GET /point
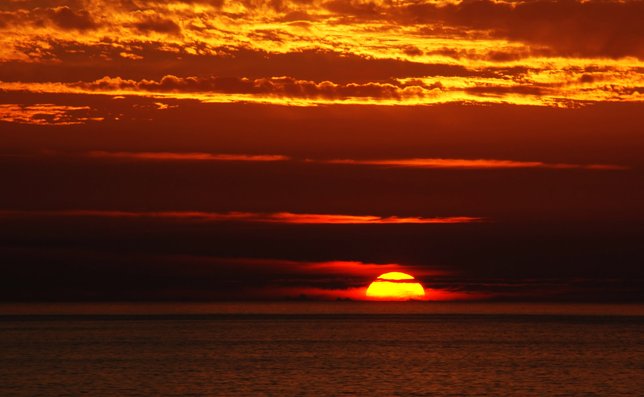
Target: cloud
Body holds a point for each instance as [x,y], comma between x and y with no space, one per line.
[562,89]
[277,217]
[66,18]
[57,16]
[569,28]
[566,27]
[428,163]
[155,23]
[344,269]
[472,164]
[46,114]
[527,53]
[153,59]
[174,156]
[271,86]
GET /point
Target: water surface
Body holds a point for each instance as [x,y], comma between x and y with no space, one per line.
[322,349]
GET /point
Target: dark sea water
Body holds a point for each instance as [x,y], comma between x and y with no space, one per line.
[322,349]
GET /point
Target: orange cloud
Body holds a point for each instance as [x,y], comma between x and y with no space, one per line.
[372,41]
[278,217]
[473,164]
[403,162]
[286,217]
[184,156]
[565,28]
[66,18]
[273,86]
[561,88]
[155,23]
[368,271]
[569,28]
[46,114]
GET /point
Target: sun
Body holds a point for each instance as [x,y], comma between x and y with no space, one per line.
[395,286]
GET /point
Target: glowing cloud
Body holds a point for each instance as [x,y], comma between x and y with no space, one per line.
[46,114]
[473,164]
[560,89]
[410,52]
[402,163]
[184,156]
[278,217]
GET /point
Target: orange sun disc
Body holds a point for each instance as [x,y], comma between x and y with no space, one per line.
[395,286]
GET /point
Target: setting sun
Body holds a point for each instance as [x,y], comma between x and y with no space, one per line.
[395,286]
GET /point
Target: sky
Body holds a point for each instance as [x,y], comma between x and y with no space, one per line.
[192,150]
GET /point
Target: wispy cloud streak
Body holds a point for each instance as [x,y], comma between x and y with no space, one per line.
[472,164]
[177,156]
[428,163]
[254,217]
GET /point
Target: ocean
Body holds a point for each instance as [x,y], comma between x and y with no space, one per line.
[321,349]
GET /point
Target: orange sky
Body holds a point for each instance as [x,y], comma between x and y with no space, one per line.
[493,147]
